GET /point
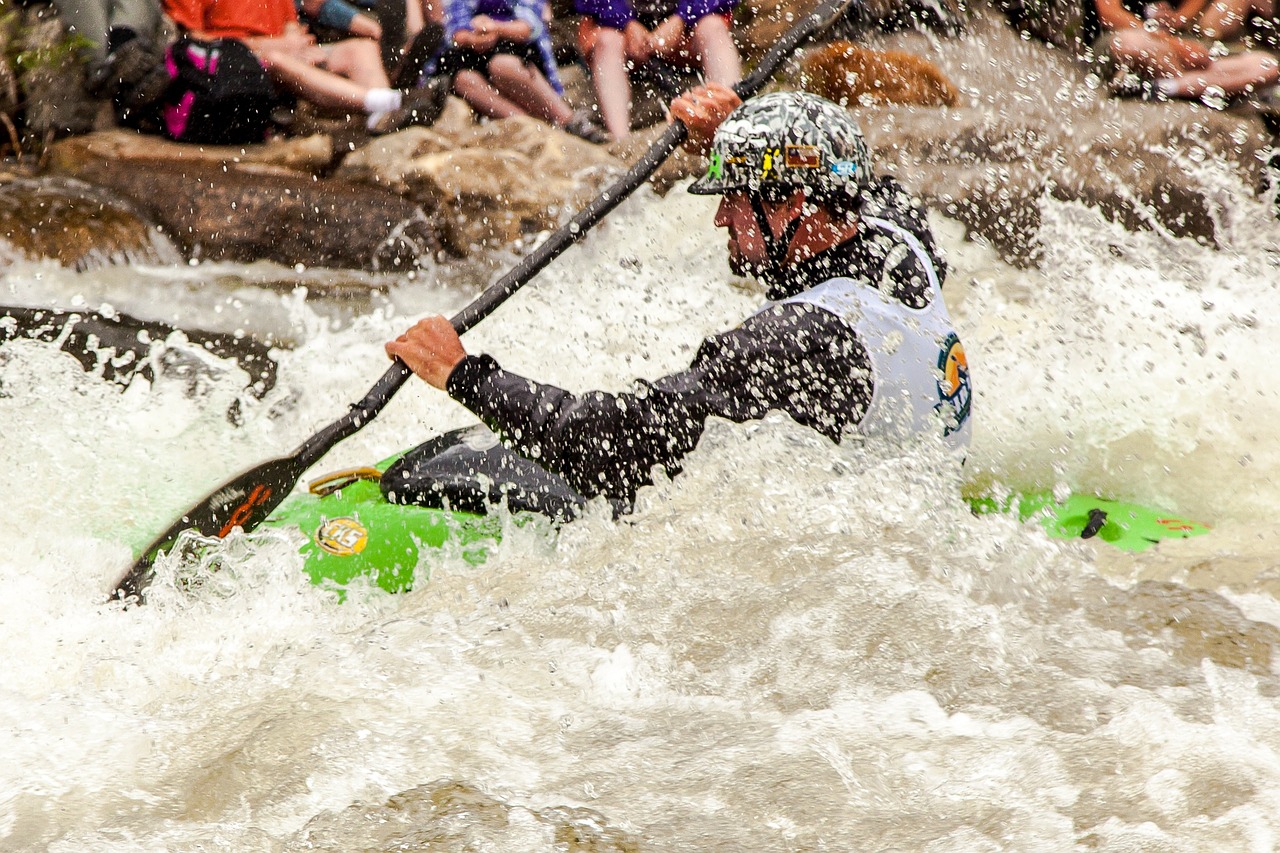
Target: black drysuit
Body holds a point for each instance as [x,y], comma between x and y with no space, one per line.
[790,357]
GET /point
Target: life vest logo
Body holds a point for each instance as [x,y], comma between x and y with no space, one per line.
[954,387]
[845,168]
[803,157]
[344,537]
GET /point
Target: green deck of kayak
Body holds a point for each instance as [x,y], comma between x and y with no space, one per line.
[354,531]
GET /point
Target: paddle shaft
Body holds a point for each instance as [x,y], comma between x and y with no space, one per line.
[247,500]
[497,293]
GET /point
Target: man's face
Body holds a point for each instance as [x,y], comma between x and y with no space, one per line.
[746,245]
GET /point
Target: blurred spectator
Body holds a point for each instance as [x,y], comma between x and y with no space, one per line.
[499,55]
[620,36]
[346,75]
[1157,51]
[118,46]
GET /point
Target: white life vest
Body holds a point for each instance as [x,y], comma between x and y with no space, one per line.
[920,374]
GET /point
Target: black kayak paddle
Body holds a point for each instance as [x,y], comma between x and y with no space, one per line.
[247,500]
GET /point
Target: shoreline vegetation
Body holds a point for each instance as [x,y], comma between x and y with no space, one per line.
[982,114]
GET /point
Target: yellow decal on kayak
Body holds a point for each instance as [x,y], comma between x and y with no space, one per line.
[345,537]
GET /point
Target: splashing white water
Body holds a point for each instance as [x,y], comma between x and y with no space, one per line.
[792,646]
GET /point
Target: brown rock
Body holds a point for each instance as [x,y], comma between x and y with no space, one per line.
[246,215]
[309,155]
[851,75]
[388,160]
[486,197]
[53,81]
[226,205]
[456,120]
[491,184]
[1034,124]
[76,224]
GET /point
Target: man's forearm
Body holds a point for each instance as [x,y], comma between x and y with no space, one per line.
[602,444]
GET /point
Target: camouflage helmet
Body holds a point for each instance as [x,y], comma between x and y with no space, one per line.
[788,140]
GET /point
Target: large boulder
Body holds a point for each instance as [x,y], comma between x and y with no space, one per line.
[490,184]
[1034,123]
[75,223]
[246,203]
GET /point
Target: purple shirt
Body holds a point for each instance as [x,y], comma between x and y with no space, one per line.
[458,15]
[616,14]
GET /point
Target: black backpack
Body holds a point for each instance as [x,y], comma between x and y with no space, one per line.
[218,94]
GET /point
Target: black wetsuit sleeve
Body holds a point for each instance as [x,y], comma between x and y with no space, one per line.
[792,357]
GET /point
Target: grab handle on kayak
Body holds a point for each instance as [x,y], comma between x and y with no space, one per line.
[339,480]
[1097,518]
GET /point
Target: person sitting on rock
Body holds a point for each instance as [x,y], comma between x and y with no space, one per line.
[118,43]
[409,32]
[499,56]
[1157,52]
[347,75]
[618,36]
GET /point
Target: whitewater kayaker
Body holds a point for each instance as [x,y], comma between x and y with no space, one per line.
[855,336]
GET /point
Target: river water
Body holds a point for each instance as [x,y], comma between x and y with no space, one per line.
[793,646]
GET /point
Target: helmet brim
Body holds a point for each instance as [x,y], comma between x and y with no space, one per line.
[716,186]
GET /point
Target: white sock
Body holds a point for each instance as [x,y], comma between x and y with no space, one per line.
[379,102]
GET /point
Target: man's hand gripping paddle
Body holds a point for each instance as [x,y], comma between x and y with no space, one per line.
[247,500]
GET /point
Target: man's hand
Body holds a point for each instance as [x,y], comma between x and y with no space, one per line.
[702,109]
[481,41]
[295,41]
[431,349]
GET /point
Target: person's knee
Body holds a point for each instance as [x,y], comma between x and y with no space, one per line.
[468,81]
[713,27]
[507,67]
[359,51]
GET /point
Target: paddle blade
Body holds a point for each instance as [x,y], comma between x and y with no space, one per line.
[244,501]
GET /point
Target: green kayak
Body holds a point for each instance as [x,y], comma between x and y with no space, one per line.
[375,522]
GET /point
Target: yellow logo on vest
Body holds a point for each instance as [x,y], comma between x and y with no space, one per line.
[344,537]
[954,386]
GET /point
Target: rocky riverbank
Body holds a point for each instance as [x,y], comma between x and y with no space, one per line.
[1019,120]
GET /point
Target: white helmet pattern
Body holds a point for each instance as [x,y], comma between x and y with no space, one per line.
[787,140]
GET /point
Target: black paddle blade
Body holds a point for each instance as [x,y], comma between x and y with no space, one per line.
[244,501]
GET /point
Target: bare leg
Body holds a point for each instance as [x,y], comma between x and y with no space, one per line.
[360,61]
[1233,75]
[476,91]
[1140,51]
[613,88]
[320,87]
[523,84]
[713,42]
[1223,19]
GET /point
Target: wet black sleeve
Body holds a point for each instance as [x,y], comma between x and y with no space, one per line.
[793,358]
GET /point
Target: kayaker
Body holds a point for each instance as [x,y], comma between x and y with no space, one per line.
[855,338]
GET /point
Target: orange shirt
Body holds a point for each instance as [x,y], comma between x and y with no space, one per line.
[232,18]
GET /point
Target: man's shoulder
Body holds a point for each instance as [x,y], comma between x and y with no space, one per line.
[888,199]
